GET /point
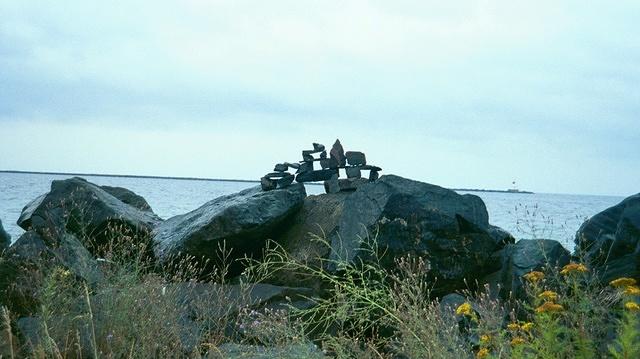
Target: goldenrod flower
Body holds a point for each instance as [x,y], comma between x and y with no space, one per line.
[513,326]
[464,309]
[485,338]
[526,326]
[573,268]
[549,307]
[632,290]
[622,282]
[482,353]
[548,295]
[517,341]
[534,276]
[632,306]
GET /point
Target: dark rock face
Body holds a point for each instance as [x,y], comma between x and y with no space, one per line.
[337,154]
[5,238]
[408,217]
[319,175]
[244,220]
[610,240]
[87,211]
[523,257]
[356,158]
[129,197]
[32,254]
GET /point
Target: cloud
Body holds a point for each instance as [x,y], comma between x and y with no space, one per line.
[476,80]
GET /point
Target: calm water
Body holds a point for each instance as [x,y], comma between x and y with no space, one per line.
[554,216]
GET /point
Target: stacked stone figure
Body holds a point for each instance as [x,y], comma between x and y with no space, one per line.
[353,162]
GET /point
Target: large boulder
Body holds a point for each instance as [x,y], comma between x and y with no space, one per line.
[5,239]
[610,240]
[129,197]
[399,217]
[31,259]
[242,222]
[520,258]
[88,211]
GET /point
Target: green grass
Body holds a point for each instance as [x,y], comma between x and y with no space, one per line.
[363,311]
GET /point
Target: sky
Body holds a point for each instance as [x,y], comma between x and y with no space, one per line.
[472,94]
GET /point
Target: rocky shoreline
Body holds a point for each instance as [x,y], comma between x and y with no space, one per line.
[68,227]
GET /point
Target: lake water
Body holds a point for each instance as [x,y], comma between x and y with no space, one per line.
[540,215]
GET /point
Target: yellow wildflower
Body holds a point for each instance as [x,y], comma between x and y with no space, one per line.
[534,276]
[482,353]
[485,338]
[549,307]
[632,306]
[622,282]
[526,326]
[517,341]
[548,295]
[464,309]
[632,290]
[513,326]
[573,268]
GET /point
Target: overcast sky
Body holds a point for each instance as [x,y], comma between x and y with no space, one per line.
[456,93]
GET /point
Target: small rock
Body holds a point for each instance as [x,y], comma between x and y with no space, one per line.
[318,147]
[305,167]
[337,153]
[271,175]
[370,167]
[353,172]
[331,185]
[350,184]
[307,158]
[268,184]
[355,158]
[328,163]
[314,176]
[281,167]
[5,238]
[293,165]
[286,180]
[323,155]
[373,176]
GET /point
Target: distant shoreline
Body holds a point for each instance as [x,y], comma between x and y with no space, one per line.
[491,190]
[213,179]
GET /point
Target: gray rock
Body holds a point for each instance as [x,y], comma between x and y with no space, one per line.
[318,147]
[373,176]
[307,158]
[272,175]
[32,254]
[353,172]
[281,167]
[5,239]
[350,184]
[286,180]
[243,220]
[315,176]
[87,211]
[337,153]
[323,155]
[293,165]
[610,240]
[331,185]
[371,168]
[305,167]
[129,197]
[329,163]
[355,158]
[268,184]
[406,217]
[525,256]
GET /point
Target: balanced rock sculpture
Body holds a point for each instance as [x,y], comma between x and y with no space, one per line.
[353,162]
